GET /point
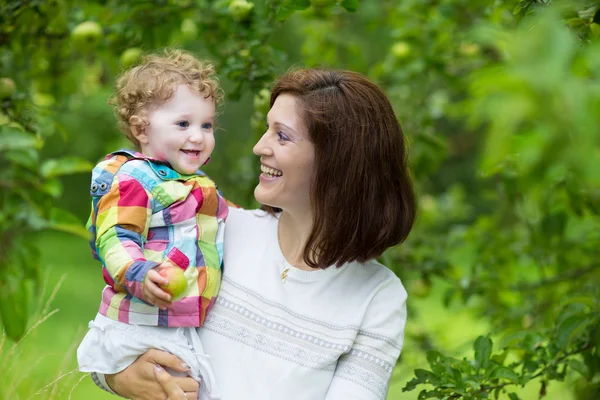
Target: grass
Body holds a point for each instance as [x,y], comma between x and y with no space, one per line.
[43,365]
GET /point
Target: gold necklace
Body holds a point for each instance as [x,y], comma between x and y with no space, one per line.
[284,274]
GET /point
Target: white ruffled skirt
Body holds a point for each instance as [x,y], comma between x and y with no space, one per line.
[111,346]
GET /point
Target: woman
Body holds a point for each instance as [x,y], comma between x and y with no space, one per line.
[305,311]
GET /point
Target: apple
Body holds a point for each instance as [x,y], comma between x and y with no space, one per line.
[240,9]
[262,101]
[420,287]
[7,88]
[401,49]
[595,29]
[130,57]
[244,54]
[177,282]
[86,35]
[468,49]
[189,29]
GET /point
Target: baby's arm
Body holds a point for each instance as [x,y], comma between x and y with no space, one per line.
[122,225]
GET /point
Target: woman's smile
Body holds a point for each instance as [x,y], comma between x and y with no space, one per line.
[270,173]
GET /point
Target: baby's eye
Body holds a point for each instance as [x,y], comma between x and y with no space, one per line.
[183,124]
[207,125]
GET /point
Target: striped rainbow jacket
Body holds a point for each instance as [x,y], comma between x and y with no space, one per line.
[145,213]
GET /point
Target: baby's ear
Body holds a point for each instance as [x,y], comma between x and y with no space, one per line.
[138,129]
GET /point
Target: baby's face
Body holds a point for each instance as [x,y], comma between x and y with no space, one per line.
[181,130]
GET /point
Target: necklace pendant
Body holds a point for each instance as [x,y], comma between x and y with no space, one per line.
[284,275]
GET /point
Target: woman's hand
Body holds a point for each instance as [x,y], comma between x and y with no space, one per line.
[169,385]
[139,380]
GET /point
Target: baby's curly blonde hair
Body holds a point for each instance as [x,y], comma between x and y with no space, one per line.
[150,84]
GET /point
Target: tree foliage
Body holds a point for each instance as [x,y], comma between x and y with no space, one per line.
[500,102]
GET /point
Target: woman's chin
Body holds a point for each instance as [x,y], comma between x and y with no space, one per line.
[263,197]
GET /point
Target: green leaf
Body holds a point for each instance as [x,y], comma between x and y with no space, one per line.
[14,307]
[576,22]
[580,367]
[289,7]
[52,187]
[568,327]
[483,350]
[64,166]
[411,385]
[13,139]
[513,396]
[500,358]
[588,301]
[64,221]
[497,393]
[424,376]
[350,5]
[27,158]
[596,18]
[448,295]
[474,385]
[505,373]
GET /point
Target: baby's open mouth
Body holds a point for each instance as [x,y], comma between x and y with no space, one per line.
[192,152]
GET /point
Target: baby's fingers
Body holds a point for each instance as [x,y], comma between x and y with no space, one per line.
[157,278]
[154,290]
[155,301]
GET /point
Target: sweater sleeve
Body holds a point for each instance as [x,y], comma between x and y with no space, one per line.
[122,227]
[100,381]
[364,371]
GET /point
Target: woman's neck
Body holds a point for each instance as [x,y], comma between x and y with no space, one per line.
[293,232]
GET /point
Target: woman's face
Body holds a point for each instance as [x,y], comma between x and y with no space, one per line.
[287,159]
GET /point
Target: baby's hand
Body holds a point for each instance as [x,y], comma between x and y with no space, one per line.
[153,294]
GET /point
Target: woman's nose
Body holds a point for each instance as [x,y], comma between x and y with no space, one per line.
[261,148]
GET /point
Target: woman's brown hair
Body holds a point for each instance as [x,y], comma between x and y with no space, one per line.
[362,196]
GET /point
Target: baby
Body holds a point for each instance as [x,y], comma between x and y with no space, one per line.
[155,215]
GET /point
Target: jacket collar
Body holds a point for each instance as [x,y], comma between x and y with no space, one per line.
[162,168]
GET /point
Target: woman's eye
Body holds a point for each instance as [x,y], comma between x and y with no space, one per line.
[207,125]
[282,136]
[183,124]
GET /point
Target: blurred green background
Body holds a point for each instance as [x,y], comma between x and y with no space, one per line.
[500,103]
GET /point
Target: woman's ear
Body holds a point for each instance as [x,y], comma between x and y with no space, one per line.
[138,129]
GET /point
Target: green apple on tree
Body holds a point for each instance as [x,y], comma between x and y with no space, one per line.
[240,9]
[401,49]
[420,287]
[7,88]
[177,282]
[86,35]
[189,29]
[130,57]
[468,49]
[261,101]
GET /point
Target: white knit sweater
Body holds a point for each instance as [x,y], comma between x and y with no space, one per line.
[326,334]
